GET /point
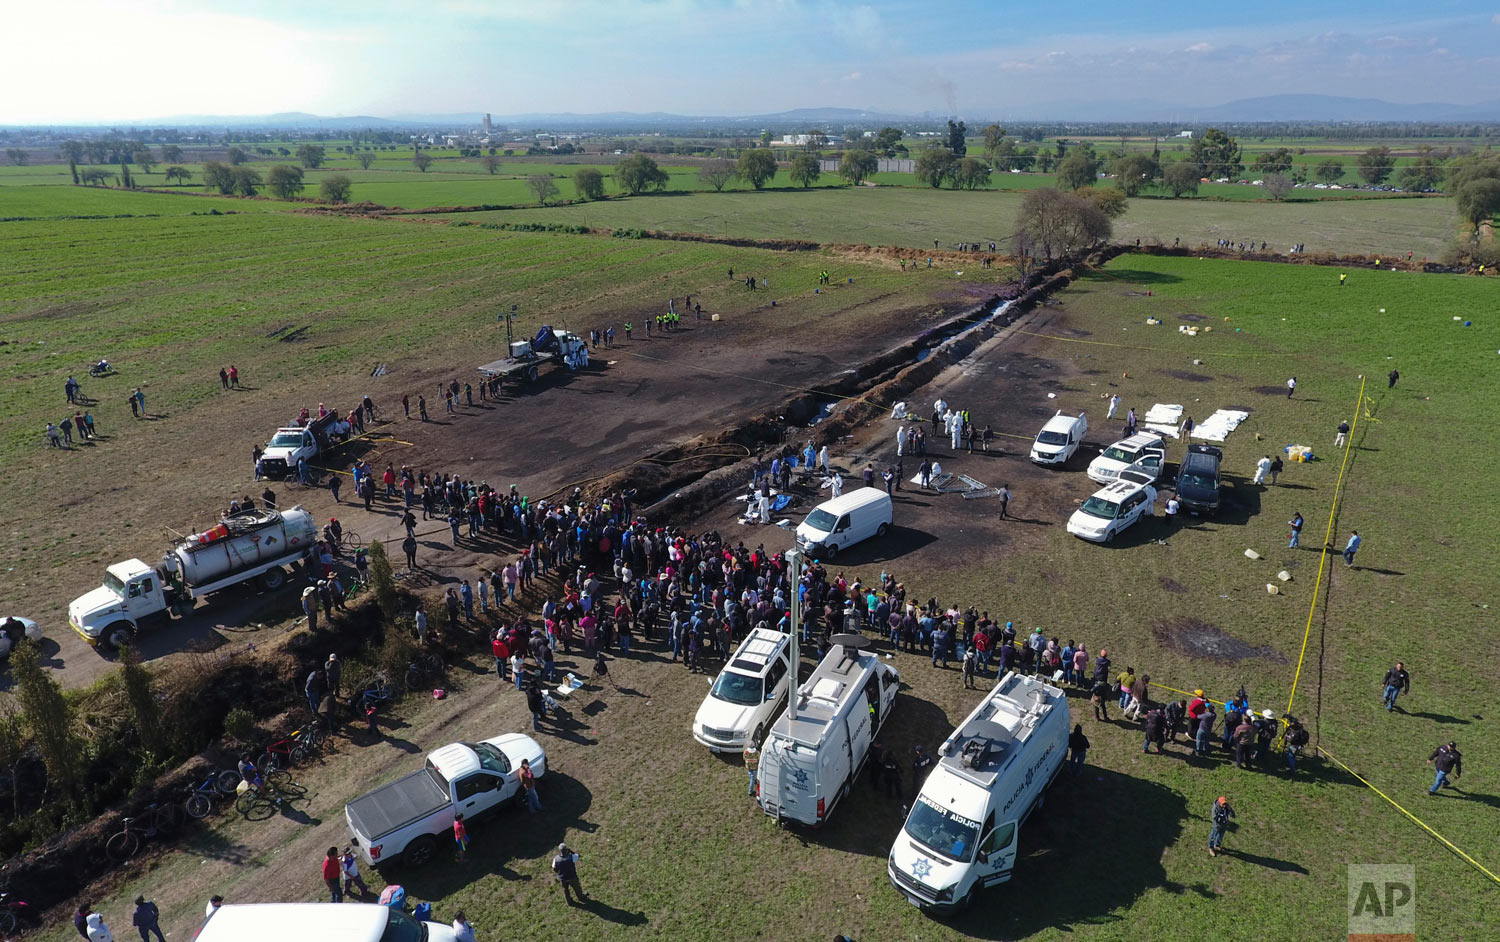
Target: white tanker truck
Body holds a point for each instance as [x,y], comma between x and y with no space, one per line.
[242,547]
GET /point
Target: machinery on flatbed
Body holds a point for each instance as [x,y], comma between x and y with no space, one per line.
[527,357]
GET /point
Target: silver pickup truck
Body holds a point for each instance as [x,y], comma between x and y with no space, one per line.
[410,818]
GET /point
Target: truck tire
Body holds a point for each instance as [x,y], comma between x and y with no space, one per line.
[531,374]
[883,529]
[119,635]
[273,578]
[760,733]
[831,550]
[420,851]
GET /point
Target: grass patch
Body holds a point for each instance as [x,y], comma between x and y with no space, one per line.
[915,217]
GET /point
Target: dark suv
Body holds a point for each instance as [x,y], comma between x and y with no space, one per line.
[1198,479]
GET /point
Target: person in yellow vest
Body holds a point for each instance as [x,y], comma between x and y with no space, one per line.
[1343,276]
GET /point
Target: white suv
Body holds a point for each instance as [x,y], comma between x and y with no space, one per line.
[1113,508]
[747,694]
[1139,448]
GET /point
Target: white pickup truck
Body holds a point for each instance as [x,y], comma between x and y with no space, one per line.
[412,816]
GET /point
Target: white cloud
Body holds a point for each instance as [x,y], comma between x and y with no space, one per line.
[1199,47]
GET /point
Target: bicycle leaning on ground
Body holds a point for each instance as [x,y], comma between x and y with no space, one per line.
[155,820]
[287,752]
[202,797]
[276,785]
[423,667]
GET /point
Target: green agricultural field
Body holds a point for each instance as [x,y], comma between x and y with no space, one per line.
[914,217]
[1117,852]
[171,299]
[1418,592]
[50,202]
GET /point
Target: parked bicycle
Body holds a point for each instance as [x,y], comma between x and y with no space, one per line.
[14,912]
[203,796]
[277,786]
[423,668]
[287,752]
[155,820]
[350,540]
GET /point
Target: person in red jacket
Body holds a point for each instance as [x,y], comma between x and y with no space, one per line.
[333,869]
[460,837]
[501,650]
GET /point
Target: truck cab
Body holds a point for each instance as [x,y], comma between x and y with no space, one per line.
[963,829]
[286,448]
[132,593]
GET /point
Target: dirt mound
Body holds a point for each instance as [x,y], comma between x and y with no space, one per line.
[1185,375]
[1197,638]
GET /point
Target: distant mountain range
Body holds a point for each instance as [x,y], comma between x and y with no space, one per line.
[1333,108]
[1270,109]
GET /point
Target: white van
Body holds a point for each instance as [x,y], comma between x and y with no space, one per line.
[747,693]
[845,520]
[350,922]
[810,761]
[964,825]
[1114,507]
[1143,447]
[1059,438]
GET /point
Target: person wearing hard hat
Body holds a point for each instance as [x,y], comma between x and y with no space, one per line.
[1219,823]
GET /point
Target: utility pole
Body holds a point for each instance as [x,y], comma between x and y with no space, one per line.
[794,564]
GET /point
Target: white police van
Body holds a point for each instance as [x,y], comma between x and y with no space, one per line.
[964,827]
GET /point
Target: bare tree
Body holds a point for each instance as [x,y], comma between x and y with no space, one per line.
[717,174]
[541,184]
[1278,185]
[491,164]
[1054,223]
[365,158]
[18,156]
[421,160]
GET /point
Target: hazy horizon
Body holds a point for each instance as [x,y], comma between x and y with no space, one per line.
[115,61]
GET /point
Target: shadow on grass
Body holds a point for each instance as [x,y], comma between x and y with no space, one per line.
[1133,276]
[863,822]
[615,914]
[1270,863]
[1455,792]
[1435,717]
[508,836]
[212,844]
[1063,850]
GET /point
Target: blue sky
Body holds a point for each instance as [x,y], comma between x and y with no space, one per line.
[77,60]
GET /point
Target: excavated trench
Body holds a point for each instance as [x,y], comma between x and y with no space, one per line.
[690,477]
